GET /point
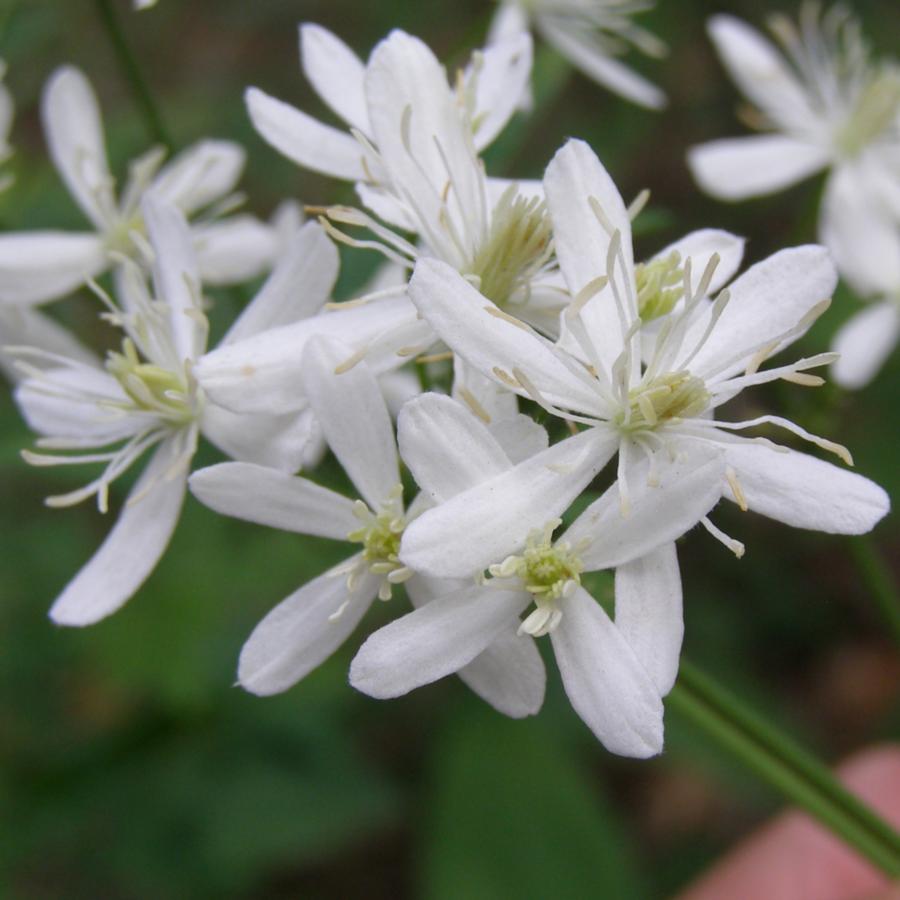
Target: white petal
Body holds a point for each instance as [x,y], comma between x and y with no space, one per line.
[606,684]
[280,442]
[354,419]
[387,207]
[502,79]
[131,550]
[74,131]
[509,20]
[689,486]
[766,301]
[336,73]
[446,448]
[302,632]
[22,326]
[201,174]
[865,342]
[36,266]
[760,71]
[486,523]
[509,674]
[699,246]
[176,280]
[648,613]
[398,388]
[275,499]
[459,315]
[804,491]
[433,641]
[590,57]
[737,168]
[520,437]
[303,139]
[262,372]
[234,250]
[300,284]
[494,400]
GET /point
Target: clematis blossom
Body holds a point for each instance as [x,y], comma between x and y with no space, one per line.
[38,266]
[643,406]
[145,398]
[591,34]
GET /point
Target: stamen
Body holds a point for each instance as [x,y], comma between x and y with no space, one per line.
[736,547]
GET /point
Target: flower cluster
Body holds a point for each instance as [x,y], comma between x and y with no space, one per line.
[527,292]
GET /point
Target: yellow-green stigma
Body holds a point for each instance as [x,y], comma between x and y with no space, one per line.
[548,572]
[518,244]
[380,535]
[660,285]
[121,237]
[666,398]
[877,109]
[152,388]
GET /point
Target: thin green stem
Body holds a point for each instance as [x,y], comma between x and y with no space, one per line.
[879,580]
[777,759]
[132,72]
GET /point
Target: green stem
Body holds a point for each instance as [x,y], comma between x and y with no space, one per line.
[777,759]
[879,579]
[130,69]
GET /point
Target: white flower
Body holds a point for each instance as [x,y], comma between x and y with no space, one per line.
[7,110]
[43,265]
[828,106]
[309,625]
[590,34]
[145,396]
[704,354]
[144,4]
[614,674]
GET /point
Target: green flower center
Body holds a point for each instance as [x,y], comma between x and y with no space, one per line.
[380,535]
[518,244]
[877,109]
[676,395]
[660,285]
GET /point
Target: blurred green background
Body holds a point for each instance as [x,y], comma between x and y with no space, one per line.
[131,768]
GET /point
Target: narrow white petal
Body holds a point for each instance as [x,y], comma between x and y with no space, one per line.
[200,174]
[606,684]
[689,486]
[234,250]
[448,450]
[303,139]
[22,326]
[588,56]
[519,436]
[336,73]
[699,247]
[649,615]
[459,315]
[74,132]
[36,266]
[300,284]
[738,168]
[275,499]
[354,419]
[865,342]
[509,20]
[486,523]
[302,632]
[433,641]
[502,80]
[131,550]
[766,301]
[804,491]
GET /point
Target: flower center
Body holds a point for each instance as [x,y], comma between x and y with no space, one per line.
[120,238]
[152,388]
[675,395]
[380,534]
[660,285]
[877,109]
[548,572]
[519,242]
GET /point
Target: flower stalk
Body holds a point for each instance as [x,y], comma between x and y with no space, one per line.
[775,758]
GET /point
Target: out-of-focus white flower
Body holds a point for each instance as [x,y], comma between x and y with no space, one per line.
[144,4]
[309,625]
[146,396]
[43,265]
[828,106]
[643,406]
[591,34]
[614,674]
[7,111]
